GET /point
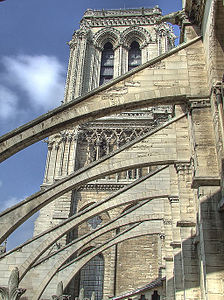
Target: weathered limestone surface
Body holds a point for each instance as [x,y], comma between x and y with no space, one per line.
[137,88]
[177,229]
[152,150]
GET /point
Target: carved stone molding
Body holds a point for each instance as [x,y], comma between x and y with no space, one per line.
[102,186]
[199,103]
[173,199]
[182,167]
[162,236]
[107,34]
[122,17]
[168,258]
[142,36]
[186,223]
[175,245]
[167,222]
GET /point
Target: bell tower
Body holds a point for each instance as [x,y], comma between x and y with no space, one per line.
[108,44]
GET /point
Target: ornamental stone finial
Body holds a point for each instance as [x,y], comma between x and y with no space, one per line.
[93,296]
[59,293]
[13,292]
[81,294]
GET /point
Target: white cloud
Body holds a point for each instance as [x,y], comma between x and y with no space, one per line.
[40,77]
[8,103]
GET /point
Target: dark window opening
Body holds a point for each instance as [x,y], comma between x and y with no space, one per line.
[155,296]
[134,56]
[107,64]
[91,277]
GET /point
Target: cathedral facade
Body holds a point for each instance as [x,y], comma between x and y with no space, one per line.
[131,206]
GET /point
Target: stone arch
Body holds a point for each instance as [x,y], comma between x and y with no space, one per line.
[76,245]
[116,200]
[137,34]
[86,205]
[107,165]
[130,233]
[105,35]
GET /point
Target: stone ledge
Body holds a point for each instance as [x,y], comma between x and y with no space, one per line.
[175,244]
[168,258]
[205,181]
[186,223]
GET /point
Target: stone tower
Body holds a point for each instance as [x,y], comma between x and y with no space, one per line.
[108,44]
[132,202]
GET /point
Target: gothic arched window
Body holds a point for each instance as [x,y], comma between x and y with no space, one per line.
[107,63]
[134,56]
[91,277]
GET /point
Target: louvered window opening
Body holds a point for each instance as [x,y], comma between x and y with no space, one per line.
[107,64]
[134,56]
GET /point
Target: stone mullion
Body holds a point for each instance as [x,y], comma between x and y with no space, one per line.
[62,156]
[48,162]
[68,155]
[75,154]
[71,158]
[65,162]
[117,62]
[56,159]
[97,149]
[124,60]
[94,64]
[52,163]
[96,68]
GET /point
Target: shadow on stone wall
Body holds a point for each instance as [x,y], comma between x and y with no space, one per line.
[201,261]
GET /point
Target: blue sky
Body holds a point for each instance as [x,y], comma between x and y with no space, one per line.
[33,63]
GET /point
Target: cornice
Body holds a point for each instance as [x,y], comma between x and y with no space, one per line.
[121,17]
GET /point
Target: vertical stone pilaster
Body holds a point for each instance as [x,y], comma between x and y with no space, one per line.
[78,86]
[68,90]
[175,245]
[49,152]
[211,244]
[117,61]
[187,225]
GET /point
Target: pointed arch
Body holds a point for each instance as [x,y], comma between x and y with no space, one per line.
[136,34]
[106,35]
